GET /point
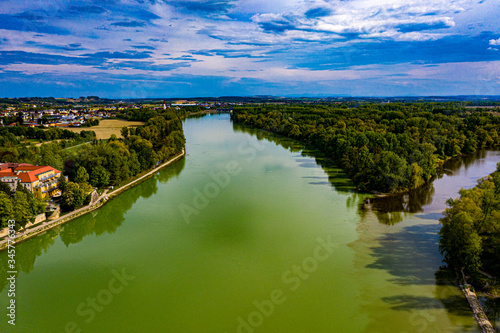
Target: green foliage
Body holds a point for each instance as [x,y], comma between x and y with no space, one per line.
[470,236]
[101,163]
[99,177]
[460,244]
[87,190]
[6,209]
[92,122]
[382,147]
[35,205]
[22,207]
[104,162]
[73,197]
[124,132]
[82,175]
[5,188]
[13,149]
[61,183]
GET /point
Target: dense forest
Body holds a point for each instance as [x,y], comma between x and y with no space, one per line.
[383,147]
[470,235]
[102,162]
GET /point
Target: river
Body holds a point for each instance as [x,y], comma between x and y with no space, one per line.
[249,232]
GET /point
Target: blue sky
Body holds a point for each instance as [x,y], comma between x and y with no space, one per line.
[187,48]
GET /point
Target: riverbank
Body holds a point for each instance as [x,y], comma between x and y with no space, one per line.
[103,198]
[476,307]
[266,221]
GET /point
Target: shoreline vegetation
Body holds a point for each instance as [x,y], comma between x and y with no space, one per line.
[383,148]
[92,167]
[107,195]
[469,241]
[371,142]
[29,229]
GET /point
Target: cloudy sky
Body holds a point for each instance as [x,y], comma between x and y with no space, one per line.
[189,48]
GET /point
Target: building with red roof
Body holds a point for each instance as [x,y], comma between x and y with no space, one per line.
[40,180]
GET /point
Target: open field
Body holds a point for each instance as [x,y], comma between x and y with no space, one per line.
[107,127]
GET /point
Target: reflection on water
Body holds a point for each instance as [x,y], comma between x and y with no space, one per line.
[336,177]
[391,209]
[110,218]
[392,250]
[200,277]
[391,254]
[417,213]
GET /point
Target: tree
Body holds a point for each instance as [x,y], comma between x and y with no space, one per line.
[81,175]
[72,197]
[295,131]
[5,188]
[416,132]
[99,177]
[124,132]
[19,118]
[6,209]
[459,242]
[35,205]
[61,183]
[21,208]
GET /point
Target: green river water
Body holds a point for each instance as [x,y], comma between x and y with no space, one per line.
[248,233]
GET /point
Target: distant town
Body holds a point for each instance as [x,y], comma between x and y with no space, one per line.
[51,112]
[70,112]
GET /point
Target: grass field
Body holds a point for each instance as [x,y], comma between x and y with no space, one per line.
[107,127]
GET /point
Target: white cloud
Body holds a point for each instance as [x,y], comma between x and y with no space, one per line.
[278,40]
[417,20]
[495,41]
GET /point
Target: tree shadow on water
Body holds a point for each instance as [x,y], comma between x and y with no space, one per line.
[309,157]
[455,304]
[446,296]
[105,220]
[409,255]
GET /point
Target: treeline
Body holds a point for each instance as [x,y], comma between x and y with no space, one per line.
[16,134]
[106,222]
[105,162]
[111,162]
[470,235]
[14,148]
[382,147]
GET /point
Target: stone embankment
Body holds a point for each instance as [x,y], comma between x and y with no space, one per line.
[95,203]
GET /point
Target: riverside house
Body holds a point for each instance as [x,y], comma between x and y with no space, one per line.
[40,180]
